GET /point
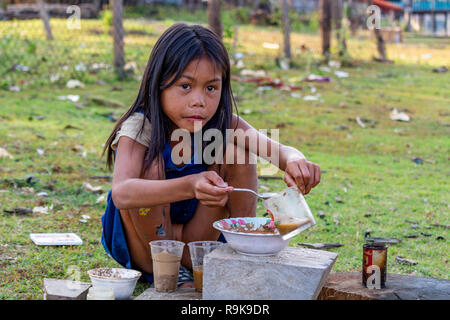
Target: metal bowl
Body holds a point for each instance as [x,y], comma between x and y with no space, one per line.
[252,244]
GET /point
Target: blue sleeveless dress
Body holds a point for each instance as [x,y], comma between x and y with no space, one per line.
[113,236]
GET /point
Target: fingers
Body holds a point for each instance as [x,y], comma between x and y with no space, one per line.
[317,174]
[289,180]
[304,174]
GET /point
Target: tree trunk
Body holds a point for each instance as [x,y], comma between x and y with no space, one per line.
[286,29]
[214,21]
[119,53]
[45,19]
[338,15]
[325,27]
[381,46]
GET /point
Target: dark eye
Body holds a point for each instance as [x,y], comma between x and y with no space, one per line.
[185,86]
[211,88]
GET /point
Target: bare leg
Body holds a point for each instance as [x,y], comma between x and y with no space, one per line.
[240,204]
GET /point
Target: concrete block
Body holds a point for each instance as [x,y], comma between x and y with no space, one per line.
[60,289]
[179,294]
[348,286]
[293,274]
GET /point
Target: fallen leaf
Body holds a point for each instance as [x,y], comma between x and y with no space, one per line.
[402,260]
[19,210]
[382,240]
[321,245]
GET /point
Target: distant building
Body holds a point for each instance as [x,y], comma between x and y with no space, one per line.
[430,17]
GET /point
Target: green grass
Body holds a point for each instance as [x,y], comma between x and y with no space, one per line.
[370,169]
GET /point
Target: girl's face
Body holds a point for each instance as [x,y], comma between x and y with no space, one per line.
[194,97]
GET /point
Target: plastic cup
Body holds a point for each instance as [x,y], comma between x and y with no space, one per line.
[197,250]
[166,257]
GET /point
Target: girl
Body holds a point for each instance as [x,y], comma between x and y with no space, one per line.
[186,85]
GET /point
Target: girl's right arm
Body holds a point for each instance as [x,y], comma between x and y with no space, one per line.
[129,191]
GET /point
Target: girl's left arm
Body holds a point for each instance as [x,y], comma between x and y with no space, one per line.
[297,170]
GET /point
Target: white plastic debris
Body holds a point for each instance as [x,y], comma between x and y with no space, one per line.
[71,84]
[253,73]
[273,46]
[70,97]
[341,74]
[399,116]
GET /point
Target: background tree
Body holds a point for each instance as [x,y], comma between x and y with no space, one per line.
[214,21]
[325,7]
[286,29]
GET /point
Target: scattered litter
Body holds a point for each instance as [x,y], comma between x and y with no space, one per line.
[70,97]
[440,238]
[399,116]
[412,236]
[253,73]
[360,122]
[19,210]
[426,56]
[426,234]
[402,260]
[334,64]
[80,67]
[54,77]
[321,245]
[310,98]
[342,127]
[440,70]
[321,214]
[42,194]
[106,102]
[40,151]
[14,88]
[325,69]
[88,187]
[71,84]
[341,74]
[417,160]
[130,67]
[273,46]
[43,210]
[316,78]
[284,65]
[338,200]
[296,95]
[56,239]
[240,64]
[414,226]
[441,225]
[5,154]
[21,67]
[382,240]
[101,199]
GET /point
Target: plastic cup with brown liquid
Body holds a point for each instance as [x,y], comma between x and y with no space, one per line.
[197,250]
[166,257]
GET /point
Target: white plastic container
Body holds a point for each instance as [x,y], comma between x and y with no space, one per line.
[100,293]
[121,280]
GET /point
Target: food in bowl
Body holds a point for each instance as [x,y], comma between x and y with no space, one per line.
[254,236]
[121,280]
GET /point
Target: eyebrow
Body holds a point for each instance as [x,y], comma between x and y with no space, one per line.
[192,79]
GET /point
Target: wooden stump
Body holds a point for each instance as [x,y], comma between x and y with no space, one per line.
[348,286]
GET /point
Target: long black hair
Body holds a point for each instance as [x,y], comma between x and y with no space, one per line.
[174,50]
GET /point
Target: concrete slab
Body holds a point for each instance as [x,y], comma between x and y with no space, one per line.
[293,274]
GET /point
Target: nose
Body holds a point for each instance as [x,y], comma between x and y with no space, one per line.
[197,100]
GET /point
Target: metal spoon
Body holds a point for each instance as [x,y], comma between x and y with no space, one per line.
[264,196]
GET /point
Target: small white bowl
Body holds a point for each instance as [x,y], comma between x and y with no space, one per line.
[121,280]
[252,244]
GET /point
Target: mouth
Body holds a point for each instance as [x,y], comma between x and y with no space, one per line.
[194,118]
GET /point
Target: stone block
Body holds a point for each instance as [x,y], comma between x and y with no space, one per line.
[179,294]
[293,274]
[60,289]
[348,286]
